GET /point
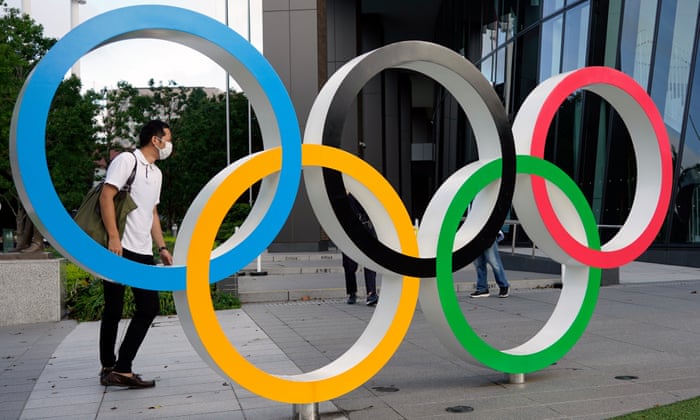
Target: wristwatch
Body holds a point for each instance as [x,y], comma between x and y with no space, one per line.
[163,248]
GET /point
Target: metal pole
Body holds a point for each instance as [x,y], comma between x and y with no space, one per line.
[27,7]
[516,378]
[228,113]
[250,128]
[306,411]
[74,20]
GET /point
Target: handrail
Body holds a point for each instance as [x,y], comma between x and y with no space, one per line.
[515,223]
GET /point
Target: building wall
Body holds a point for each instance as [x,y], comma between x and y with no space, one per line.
[304,57]
[290,44]
[517,44]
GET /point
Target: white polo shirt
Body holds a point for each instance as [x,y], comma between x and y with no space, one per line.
[145,191]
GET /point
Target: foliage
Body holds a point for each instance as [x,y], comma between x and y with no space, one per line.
[22,44]
[85,301]
[117,129]
[200,148]
[233,219]
[687,409]
[126,109]
[70,142]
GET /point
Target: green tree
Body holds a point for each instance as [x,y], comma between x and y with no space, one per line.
[167,101]
[119,113]
[70,142]
[22,44]
[200,150]
[126,108]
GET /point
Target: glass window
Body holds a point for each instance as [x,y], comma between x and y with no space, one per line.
[637,38]
[510,22]
[495,34]
[526,75]
[686,215]
[677,19]
[487,68]
[550,49]
[500,66]
[575,38]
[679,69]
[528,14]
[489,38]
[551,6]
[672,61]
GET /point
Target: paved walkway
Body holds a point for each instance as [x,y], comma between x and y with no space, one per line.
[645,330]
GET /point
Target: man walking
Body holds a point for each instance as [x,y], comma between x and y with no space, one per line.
[142,229]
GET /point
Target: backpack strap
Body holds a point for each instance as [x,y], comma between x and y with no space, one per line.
[130,180]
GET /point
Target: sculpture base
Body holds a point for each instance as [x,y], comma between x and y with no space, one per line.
[41,255]
[32,289]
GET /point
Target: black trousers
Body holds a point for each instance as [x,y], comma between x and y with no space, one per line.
[147,307]
[349,267]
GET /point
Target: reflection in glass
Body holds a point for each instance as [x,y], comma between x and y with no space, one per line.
[551,6]
[495,34]
[672,65]
[550,48]
[686,204]
[679,68]
[489,38]
[669,92]
[637,39]
[526,75]
[576,38]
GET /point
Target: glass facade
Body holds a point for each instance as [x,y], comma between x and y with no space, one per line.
[518,44]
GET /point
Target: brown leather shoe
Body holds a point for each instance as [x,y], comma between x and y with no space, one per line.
[132,382]
[103,374]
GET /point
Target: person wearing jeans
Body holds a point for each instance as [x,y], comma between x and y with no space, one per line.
[491,257]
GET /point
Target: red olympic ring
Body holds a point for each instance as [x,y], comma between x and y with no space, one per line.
[588,78]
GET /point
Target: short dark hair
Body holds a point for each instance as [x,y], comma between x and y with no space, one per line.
[150,129]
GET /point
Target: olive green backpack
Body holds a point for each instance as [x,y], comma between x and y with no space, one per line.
[89,217]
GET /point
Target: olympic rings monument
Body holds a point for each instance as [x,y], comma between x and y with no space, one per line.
[510,170]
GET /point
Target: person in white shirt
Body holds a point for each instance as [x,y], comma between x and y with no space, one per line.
[142,229]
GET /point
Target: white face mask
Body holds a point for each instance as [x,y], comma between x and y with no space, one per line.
[165,151]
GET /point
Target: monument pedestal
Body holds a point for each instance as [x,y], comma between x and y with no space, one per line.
[31,286]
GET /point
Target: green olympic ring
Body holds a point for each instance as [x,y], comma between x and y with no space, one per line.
[520,359]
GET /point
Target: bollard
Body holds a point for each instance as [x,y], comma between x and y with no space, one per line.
[516,378]
[306,412]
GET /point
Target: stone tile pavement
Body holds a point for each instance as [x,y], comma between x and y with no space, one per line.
[640,350]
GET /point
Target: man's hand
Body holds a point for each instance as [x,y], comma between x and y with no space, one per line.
[165,257]
[115,245]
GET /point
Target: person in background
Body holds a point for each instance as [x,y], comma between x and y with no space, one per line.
[141,231]
[350,266]
[490,256]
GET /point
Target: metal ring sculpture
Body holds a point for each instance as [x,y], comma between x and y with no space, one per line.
[551,207]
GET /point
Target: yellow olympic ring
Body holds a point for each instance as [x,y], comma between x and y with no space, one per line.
[371,351]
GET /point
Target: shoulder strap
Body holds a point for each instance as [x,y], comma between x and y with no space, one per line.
[130,180]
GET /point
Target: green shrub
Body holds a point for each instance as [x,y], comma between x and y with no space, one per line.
[234,218]
[84,299]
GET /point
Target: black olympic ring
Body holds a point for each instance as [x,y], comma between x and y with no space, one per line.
[419,56]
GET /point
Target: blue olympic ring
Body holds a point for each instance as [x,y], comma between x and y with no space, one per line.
[231,51]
